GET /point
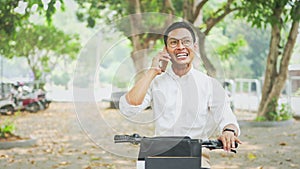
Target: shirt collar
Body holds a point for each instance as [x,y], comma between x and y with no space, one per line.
[174,76]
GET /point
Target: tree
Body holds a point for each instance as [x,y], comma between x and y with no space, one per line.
[283,17]
[188,10]
[61,79]
[15,13]
[142,43]
[43,47]
[211,17]
[257,44]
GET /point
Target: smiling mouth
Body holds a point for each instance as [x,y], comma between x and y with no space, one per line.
[181,55]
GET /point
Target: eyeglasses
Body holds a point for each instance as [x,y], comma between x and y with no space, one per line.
[172,42]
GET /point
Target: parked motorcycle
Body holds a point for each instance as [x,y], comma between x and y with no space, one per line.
[28,99]
[41,95]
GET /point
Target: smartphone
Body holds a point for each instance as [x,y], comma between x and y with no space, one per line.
[163,65]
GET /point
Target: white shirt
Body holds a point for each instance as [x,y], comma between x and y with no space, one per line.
[193,105]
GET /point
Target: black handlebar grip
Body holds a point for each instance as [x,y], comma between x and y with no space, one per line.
[215,144]
[121,138]
[236,145]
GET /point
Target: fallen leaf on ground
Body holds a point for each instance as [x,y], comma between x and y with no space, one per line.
[64,163]
[88,167]
[283,143]
[251,156]
[93,158]
[3,156]
[294,165]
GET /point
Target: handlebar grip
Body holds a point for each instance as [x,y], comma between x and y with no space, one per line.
[134,139]
[220,144]
[236,145]
[121,138]
[216,144]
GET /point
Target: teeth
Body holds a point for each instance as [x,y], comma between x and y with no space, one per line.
[181,55]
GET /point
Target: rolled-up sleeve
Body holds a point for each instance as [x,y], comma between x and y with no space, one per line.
[131,110]
[228,118]
[219,105]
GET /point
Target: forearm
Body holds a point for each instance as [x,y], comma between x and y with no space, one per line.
[137,94]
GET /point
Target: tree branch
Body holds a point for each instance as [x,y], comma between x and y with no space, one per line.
[168,7]
[211,22]
[198,9]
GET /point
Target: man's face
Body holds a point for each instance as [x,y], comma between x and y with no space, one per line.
[180,46]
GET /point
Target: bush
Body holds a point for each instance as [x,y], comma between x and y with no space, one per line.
[284,112]
[7,128]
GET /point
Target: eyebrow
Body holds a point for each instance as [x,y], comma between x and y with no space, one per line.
[171,38]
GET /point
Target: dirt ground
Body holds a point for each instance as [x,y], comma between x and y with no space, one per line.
[66,139]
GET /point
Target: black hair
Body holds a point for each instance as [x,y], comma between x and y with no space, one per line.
[177,25]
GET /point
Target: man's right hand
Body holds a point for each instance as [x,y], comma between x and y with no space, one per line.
[160,61]
[137,94]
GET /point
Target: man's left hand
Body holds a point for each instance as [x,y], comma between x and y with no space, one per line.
[228,139]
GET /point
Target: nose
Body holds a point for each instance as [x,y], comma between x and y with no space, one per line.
[180,45]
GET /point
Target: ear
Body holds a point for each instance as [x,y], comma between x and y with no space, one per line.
[196,45]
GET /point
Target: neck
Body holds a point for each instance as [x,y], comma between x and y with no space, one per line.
[181,70]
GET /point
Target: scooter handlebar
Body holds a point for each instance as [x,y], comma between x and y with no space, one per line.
[136,139]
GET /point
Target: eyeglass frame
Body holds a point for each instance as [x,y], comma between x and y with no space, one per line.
[182,42]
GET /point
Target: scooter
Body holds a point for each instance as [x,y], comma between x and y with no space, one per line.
[41,95]
[28,100]
[169,152]
[29,103]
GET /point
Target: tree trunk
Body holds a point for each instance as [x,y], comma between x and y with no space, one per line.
[141,42]
[275,80]
[188,6]
[139,57]
[190,14]
[211,70]
[270,74]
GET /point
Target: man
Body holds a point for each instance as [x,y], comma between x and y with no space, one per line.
[185,102]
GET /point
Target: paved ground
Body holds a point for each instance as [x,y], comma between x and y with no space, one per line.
[61,142]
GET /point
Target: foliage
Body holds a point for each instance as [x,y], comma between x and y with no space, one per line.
[283,112]
[7,127]
[43,47]
[230,49]
[260,118]
[257,43]
[112,10]
[283,18]
[92,12]
[61,79]
[14,13]
[261,13]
